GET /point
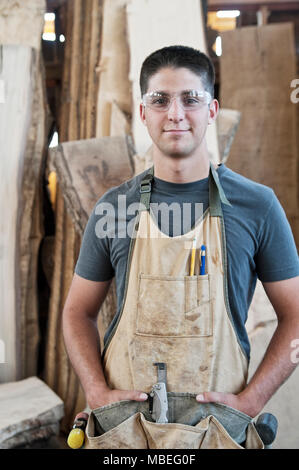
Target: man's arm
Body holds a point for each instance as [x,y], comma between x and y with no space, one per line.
[276,365]
[82,341]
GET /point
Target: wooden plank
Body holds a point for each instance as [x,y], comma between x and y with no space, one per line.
[85,38]
[155,24]
[19,75]
[113,69]
[21,163]
[27,407]
[87,168]
[30,226]
[93,77]
[22,22]
[66,75]
[256,67]
[51,359]
[75,70]
[119,123]
[68,266]
[228,121]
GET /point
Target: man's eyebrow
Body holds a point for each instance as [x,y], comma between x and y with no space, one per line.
[163,92]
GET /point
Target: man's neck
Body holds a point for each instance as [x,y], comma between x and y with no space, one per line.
[181,170]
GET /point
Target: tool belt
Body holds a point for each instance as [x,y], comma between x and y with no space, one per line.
[175,420]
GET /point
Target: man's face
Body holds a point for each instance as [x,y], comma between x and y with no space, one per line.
[177,132]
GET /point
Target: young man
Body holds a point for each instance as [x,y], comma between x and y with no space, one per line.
[191,321]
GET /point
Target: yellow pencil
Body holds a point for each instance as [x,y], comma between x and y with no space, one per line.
[193,257]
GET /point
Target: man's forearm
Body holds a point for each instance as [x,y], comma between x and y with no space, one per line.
[275,367]
[83,347]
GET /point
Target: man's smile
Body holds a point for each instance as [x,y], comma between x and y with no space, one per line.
[176,131]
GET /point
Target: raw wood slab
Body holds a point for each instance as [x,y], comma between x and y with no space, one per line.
[21,22]
[87,168]
[113,67]
[21,162]
[27,406]
[257,66]
[23,113]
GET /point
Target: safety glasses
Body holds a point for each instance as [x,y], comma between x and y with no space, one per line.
[189,100]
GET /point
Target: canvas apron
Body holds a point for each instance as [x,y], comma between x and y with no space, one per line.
[184,321]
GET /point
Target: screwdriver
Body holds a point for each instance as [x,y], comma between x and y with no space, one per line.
[77,435]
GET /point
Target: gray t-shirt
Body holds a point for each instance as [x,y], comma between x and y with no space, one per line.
[259,239]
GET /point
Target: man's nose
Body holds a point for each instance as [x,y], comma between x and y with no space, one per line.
[176,111]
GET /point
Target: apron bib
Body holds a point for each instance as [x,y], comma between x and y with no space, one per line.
[184,321]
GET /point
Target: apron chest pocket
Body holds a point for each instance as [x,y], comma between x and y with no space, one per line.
[174,306]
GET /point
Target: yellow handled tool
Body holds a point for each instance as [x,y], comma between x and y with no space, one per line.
[77,434]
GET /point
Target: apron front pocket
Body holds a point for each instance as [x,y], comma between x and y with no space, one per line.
[127,435]
[180,305]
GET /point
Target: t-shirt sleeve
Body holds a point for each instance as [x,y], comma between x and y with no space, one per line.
[277,257]
[94,261]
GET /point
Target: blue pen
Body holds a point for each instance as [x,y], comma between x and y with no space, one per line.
[203,260]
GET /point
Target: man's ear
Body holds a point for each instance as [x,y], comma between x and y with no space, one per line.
[213,111]
[142,113]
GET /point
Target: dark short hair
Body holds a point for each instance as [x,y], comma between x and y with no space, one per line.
[178,56]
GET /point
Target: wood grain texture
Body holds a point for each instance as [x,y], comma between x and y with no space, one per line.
[21,161]
[21,22]
[257,67]
[22,154]
[113,67]
[87,168]
[29,411]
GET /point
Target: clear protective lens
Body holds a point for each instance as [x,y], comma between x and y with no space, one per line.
[188,100]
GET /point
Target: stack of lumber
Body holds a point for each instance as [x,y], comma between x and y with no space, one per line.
[23,139]
[86,164]
[77,121]
[30,411]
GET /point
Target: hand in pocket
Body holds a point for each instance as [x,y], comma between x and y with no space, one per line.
[238,402]
[109,396]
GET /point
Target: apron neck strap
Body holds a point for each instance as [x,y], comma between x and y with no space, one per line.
[216,193]
[145,190]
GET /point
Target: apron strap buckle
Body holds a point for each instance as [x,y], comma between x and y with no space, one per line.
[145,187]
